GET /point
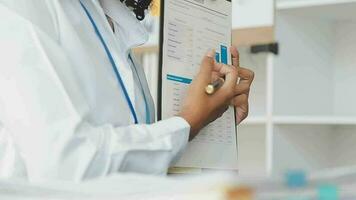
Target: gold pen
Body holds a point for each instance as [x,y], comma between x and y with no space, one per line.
[214,86]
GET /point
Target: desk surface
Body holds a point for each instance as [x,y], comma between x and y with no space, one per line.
[212,186]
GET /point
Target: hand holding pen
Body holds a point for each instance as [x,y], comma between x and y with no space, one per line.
[200,109]
[246,77]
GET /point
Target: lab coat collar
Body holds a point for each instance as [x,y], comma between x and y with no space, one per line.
[132,33]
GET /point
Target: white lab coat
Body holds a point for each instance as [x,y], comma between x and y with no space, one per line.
[63,114]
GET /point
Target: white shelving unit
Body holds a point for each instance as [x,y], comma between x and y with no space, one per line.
[314,120]
[303,101]
[258,120]
[311,105]
[319,4]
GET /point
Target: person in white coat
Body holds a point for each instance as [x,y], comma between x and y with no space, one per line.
[75,105]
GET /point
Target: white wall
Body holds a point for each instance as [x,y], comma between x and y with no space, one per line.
[252,13]
[345,68]
[303,70]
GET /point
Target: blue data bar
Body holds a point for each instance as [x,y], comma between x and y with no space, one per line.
[217,57]
[224,54]
[179,79]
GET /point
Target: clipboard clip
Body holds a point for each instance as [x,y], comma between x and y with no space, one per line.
[138,7]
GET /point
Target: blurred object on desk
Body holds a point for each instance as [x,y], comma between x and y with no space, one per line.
[339,183]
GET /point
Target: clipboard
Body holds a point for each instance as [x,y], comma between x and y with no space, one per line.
[228,160]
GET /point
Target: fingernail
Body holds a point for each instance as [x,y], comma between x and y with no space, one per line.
[211,53]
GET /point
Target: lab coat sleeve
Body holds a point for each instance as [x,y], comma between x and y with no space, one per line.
[44,110]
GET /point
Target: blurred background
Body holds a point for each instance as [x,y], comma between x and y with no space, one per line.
[303,112]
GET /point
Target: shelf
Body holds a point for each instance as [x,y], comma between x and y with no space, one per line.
[258,120]
[332,173]
[291,4]
[317,120]
[251,36]
[326,9]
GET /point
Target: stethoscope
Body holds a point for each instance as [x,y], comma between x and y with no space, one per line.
[117,73]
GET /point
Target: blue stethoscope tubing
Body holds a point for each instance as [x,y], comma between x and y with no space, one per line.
[148,113]
[117,73]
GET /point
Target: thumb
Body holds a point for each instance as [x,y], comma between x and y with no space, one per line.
[208,63]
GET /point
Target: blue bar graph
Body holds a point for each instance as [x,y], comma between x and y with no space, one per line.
[179,79]
[224,54]
[217,57]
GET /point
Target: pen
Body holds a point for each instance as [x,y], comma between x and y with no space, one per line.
[214,86]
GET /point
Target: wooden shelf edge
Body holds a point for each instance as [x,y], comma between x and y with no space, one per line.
[252,36]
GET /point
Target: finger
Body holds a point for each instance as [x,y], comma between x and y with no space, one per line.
[242,88]
[218,67]
[222,110]
[208,62]
[242,107]
[235,56]
[246,76]
[223,69]
[242,113]
[215,76]
[240,100]
[231,76]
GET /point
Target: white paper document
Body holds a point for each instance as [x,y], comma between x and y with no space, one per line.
[191,28]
